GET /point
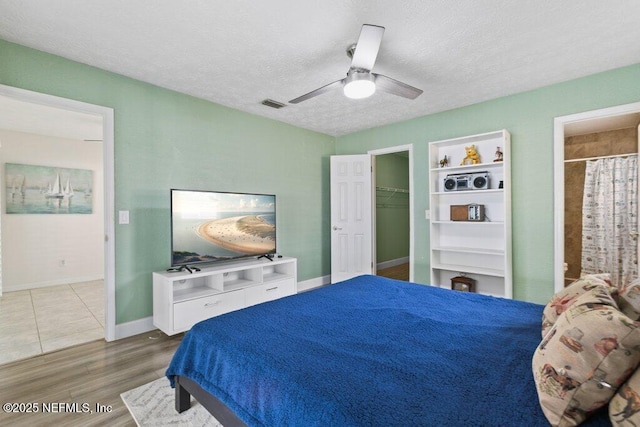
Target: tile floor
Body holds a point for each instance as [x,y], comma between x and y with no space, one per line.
[41,320]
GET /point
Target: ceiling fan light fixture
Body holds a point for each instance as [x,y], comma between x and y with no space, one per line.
[360,81]
[359,85]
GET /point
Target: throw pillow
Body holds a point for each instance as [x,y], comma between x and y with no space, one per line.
[624,408]
[629,299]
[592,349]
[564,298]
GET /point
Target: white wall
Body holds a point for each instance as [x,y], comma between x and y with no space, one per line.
[34,245]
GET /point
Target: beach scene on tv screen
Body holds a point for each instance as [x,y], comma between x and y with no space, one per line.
[211,226]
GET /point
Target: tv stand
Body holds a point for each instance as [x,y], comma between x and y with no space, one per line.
[183,298]
[267,256]
[183,268]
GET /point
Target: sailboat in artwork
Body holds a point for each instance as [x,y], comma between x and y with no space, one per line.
[23,186]
[18,189]
[68,189]
[55,190]
[14,189]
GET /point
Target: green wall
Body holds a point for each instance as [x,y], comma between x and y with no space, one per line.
[163,140]
[529,118]
[392,210]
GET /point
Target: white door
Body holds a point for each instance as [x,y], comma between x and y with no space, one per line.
[351,248]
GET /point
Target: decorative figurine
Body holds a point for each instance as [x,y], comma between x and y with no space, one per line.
[444,162]
[472,157]
[498,155]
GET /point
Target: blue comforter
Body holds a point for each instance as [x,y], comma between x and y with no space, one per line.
[371,351]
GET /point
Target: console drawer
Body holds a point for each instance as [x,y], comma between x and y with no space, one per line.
[188,313]
[270,291]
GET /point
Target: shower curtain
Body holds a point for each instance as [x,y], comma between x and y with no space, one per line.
[609,218]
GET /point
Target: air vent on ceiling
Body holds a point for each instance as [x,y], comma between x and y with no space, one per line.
[273,104]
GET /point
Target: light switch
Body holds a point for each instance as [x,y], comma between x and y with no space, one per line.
[123,217]
[427,214]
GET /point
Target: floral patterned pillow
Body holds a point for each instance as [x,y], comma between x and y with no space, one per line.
[589,352]
[629,299]
[624,408]
[564,298]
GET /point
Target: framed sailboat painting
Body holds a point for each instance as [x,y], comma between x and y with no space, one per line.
[34,189]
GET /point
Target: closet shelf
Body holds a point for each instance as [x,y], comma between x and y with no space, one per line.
[462,168]
[388,193]
[393,190]
[471,223]
[464,268]
[474,192]
[469,250]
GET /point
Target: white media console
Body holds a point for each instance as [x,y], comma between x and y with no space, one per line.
[181,299]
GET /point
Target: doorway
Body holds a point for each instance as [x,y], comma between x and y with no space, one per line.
[609,133]
[393,212]
[30,122]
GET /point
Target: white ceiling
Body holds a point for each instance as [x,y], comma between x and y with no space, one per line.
[238,53]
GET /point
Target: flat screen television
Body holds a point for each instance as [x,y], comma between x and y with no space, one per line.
[211,226]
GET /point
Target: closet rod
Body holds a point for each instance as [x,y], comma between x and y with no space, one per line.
[586,159]
[394,190]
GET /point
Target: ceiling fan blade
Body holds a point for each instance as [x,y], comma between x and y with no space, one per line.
[367,47]
[319,91]
[395,87]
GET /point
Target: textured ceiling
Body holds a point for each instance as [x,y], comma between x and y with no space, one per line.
[237,53]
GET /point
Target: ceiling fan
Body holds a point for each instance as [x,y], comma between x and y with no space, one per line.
[360,81]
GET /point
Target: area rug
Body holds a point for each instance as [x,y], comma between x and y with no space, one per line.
[152,404]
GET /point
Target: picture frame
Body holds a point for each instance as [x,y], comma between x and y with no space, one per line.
[463,284]
[38,189]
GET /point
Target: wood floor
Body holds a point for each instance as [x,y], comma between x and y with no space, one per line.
[92,373]
[398,272]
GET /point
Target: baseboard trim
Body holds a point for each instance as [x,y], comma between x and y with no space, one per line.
[135,327]
[317,282]
[392,263]
[67,281]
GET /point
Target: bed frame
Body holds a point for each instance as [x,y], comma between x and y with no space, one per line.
[185,388]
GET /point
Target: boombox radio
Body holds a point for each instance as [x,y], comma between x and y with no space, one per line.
[467,181]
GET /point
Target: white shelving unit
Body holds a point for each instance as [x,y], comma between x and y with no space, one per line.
[479,250]
[181,299]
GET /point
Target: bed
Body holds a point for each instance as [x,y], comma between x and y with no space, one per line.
[363,352]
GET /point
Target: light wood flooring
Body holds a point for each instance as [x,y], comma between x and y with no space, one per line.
[93,373]
[398,272]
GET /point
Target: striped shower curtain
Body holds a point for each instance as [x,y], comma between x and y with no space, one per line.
[609,218]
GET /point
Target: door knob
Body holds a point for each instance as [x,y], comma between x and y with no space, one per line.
[336,228]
